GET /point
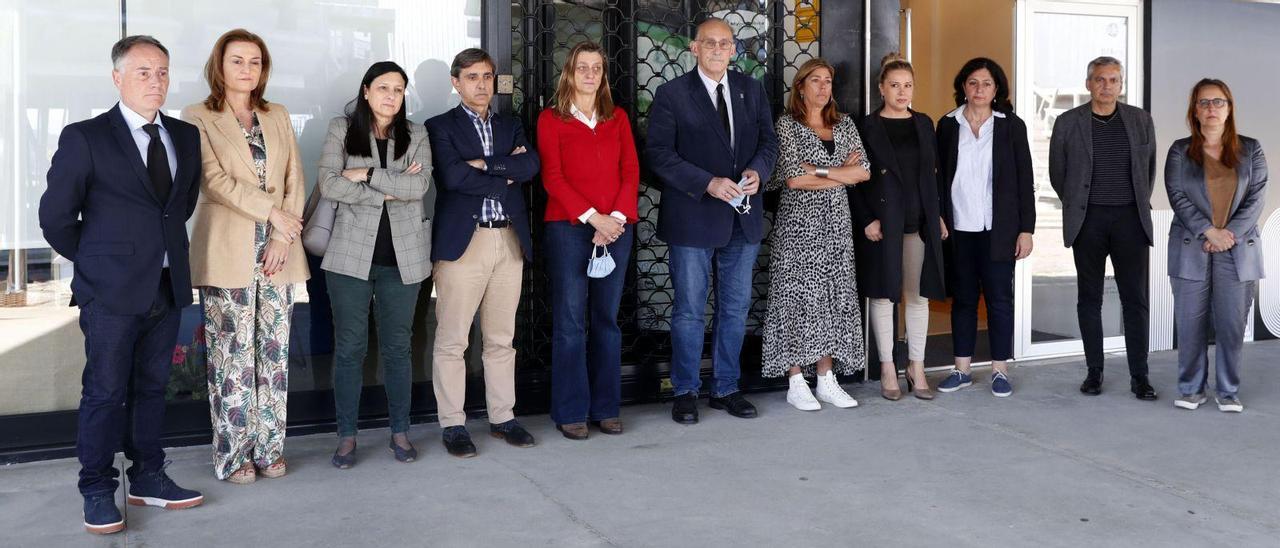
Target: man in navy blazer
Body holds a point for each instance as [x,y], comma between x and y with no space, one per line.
[121,187]
[480,160]
[709,130]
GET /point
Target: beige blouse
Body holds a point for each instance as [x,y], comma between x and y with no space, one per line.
[1220,181]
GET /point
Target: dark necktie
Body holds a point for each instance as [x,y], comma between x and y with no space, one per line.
[158,163]
[723,109]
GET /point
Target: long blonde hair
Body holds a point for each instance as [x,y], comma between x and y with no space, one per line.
[563,104]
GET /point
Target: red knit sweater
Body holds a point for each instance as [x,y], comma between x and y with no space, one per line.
[584,168]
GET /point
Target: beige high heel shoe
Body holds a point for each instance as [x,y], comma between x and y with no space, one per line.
[891,395]
[920,392]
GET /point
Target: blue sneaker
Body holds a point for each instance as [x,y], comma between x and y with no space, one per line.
[1000,385]
[101,517]
[955,381]
[156,489]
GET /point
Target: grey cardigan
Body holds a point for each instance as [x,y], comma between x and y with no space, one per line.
[355,228]
[1184,180]
[1071,164]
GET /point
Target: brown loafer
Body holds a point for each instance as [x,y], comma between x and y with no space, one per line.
[611,426]
[573,431]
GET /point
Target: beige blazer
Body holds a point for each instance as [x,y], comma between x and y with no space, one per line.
[231,202]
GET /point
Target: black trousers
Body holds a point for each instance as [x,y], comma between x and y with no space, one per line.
[1113,231]
[122,395]
[974,274]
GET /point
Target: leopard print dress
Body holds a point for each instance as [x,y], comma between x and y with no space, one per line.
[813,295]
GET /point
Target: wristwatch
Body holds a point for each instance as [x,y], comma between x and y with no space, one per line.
[822,172]
[369,177]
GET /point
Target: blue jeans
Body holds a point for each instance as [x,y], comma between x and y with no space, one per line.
[586,342]
[394,303]
[691,274]
[126,370]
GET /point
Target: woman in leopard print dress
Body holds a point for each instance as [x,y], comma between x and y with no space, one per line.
[813,323]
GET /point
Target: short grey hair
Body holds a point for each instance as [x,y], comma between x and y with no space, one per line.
[122,47]
[1104,61]
[468,57]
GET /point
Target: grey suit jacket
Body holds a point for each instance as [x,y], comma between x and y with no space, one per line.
[1184,180]
[1071,163]
[355,229]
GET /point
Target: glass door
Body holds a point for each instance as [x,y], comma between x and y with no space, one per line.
[1049,81]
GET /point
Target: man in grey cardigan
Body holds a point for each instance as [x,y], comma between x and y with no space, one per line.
[1102,165]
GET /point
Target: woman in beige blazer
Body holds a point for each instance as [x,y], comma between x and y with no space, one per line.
[246,255]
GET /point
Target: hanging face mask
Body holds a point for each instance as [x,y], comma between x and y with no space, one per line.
[739,203]
[601,263]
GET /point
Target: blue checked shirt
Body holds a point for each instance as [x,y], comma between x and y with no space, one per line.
[491,209]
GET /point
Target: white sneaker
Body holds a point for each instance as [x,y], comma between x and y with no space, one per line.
[799,395]
[829,391]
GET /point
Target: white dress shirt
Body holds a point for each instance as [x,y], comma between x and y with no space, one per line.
[710,84]
[135,122]
[591,123]
[971,186]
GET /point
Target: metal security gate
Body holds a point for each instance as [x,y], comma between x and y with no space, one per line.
[647,44]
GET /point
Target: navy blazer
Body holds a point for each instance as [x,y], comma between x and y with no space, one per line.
[101,212]
[461,188]
[687,146]
[1013,208]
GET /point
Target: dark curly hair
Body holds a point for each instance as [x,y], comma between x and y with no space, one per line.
[1000,102]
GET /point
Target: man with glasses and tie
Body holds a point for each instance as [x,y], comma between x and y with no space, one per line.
[121,187]
[710,143]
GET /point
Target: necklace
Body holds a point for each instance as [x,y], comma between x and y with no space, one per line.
[1103,121]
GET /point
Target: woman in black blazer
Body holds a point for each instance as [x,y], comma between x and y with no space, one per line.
[899,226]
[988,201]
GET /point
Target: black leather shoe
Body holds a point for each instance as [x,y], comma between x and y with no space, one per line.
[685,409]
[458,442]
[513,433]
[1092,384]
[1142,389]
[736,405]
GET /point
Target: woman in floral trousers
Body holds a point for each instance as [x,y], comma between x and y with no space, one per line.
[246,255]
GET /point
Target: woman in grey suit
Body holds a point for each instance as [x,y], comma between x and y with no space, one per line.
[375,165]
[1216,181]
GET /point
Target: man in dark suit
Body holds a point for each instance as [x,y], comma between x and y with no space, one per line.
[479,160]
[120,190]
[709,130]
[1102,160]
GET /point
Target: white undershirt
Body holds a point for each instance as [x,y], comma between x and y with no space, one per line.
[971,188]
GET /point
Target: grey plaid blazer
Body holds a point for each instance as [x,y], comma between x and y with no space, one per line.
[355,228]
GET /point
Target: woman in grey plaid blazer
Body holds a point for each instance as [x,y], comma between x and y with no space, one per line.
[375,165]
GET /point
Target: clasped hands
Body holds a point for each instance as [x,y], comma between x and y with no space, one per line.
[1217,240]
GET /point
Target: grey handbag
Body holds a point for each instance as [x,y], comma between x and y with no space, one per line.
[318,220]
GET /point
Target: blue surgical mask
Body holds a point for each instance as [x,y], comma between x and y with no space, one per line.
[601,263]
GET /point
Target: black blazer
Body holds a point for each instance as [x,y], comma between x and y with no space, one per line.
[461,189]
[101,211]
[1013,183]
[880,198]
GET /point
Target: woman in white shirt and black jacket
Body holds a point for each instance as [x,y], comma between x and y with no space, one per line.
[987,189]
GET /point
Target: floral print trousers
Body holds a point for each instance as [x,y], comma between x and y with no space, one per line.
[248,357]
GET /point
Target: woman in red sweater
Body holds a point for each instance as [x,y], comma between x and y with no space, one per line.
[592,176]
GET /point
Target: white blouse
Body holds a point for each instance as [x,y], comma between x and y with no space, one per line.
[971,186]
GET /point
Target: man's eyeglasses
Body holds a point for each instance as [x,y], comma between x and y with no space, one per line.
[721,44]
